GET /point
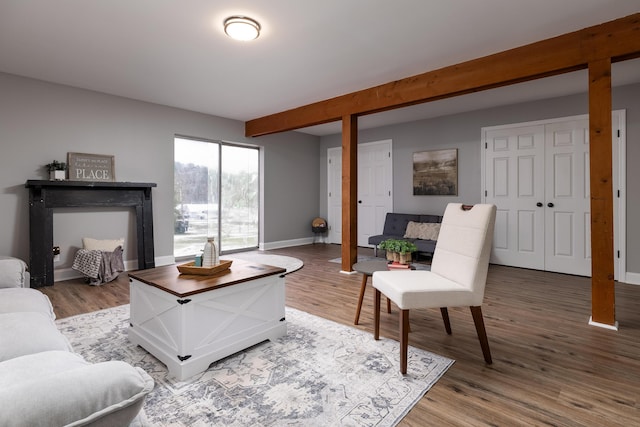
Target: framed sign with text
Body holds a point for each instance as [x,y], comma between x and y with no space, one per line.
[90,167]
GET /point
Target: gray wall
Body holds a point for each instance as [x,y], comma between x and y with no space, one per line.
[291,178]
[40,122]
[463,131]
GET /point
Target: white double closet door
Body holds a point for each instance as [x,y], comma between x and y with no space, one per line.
[537,175]
[375,181]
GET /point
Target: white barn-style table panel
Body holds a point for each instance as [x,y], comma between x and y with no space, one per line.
[189,322]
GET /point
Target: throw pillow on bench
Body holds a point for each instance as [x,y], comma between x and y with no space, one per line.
[422,230]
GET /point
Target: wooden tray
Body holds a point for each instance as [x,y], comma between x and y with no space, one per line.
[190,268]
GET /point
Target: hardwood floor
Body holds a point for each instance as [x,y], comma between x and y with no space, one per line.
[549,366]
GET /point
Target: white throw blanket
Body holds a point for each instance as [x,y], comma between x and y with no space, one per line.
[99,267]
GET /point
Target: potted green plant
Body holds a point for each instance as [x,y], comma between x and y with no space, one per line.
[398,250]
[57,170]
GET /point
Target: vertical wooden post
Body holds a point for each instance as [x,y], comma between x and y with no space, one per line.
[600,160]
[349,191]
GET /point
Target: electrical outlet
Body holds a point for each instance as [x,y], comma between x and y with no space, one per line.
[56,258]
[56,254]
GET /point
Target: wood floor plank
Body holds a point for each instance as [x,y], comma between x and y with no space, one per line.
[549,366]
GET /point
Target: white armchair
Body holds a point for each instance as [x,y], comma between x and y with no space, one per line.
[457,277]
[13,273]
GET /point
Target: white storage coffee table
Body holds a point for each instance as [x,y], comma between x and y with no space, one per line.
[190,321]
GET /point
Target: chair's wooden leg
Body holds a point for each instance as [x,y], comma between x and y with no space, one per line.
[376,314]
[445,318]
[476,312]
[388,305]
[404,340]
[360,298]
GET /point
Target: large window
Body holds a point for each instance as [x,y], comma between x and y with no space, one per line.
[216,195]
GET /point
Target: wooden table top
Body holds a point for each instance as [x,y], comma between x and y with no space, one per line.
[169,279]
[371,266]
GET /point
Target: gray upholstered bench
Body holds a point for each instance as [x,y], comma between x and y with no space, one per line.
[395,227]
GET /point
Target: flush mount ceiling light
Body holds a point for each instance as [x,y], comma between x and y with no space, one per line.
[241,28]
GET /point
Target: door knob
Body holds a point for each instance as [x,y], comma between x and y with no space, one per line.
[550,204]
[539,204]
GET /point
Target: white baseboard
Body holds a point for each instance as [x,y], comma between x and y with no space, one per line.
[348,272]
[632,278]
[613,327]
[61,274]
[285,243]
[164,260]
[65,274]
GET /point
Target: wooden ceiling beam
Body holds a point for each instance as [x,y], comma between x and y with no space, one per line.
[618,40]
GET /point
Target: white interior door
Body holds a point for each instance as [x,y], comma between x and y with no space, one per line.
[537,175]
[515,184]
[567,204]
[375,182]
[374,188]
[334,189]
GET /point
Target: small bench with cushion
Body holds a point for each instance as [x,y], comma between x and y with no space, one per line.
[422,230]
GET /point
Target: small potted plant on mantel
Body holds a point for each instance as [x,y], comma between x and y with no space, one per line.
[57,170]
[398,250]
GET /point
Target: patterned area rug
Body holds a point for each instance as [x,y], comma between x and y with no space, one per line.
[289,263]
[320,374]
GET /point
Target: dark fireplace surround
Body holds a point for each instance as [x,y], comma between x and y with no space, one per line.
[44,196]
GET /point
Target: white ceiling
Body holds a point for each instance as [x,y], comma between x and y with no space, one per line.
[175,52]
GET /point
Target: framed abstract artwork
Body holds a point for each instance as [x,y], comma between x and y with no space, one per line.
[435,173]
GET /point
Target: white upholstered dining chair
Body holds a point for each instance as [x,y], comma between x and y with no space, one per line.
[457,277]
